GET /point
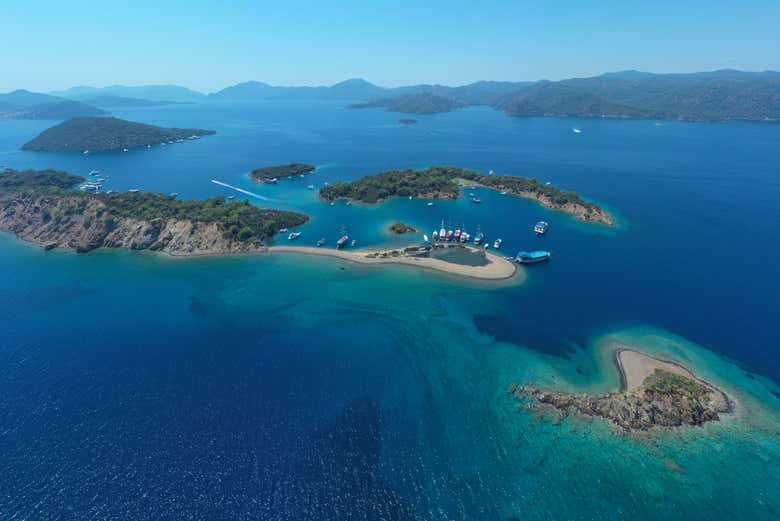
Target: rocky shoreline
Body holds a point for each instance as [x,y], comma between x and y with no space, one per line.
[82,224]
[668,396]
[591,213]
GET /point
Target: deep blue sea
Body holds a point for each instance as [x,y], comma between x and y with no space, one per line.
[137,386]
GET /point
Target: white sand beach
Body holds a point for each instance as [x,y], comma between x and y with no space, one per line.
[497,269]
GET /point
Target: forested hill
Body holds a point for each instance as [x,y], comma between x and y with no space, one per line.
[711,96]
[101,134]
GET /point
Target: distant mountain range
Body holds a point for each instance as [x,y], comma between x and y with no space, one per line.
[718,95]
[349,90]
[710,96]
[167,93]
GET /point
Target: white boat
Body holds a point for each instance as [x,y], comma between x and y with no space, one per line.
[124,150]
[430,204]
[497,244]
[541,227]
[503,192]
[310,187]
[282,230]
[90,187]
[576,130]
[293,236]
[85,152]
[133,190]
[349,203]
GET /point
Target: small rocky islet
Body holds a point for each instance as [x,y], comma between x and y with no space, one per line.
[663,399]
[400,228]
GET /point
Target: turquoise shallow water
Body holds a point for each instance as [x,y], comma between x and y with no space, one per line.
[289,387]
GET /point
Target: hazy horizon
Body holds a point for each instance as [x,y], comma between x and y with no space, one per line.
[298,43]
[316,84]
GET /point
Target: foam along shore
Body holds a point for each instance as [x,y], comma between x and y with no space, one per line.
[635,367]
[496,268]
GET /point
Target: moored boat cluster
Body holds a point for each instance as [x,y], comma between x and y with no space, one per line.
[458,235]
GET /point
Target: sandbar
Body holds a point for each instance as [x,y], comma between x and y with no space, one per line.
[497,268]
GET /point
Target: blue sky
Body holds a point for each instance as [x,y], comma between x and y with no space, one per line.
[210,45]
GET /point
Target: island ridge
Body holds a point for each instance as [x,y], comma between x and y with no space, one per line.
[96,134]
[443,182]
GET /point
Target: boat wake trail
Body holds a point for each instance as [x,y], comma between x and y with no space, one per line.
[247,192]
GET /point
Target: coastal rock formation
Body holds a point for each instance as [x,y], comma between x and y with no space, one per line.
[401,228]
[664,399]
[82,224]
[40,207]
[585,213]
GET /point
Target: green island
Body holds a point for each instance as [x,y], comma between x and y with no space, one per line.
[400,228]
[272,173]
[444,182]
[44,208]
[96,134]
[415,103]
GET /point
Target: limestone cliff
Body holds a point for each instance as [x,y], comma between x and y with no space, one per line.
[82,223]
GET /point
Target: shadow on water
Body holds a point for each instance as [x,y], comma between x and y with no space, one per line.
[197,307]
[519,331]
[334,473]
